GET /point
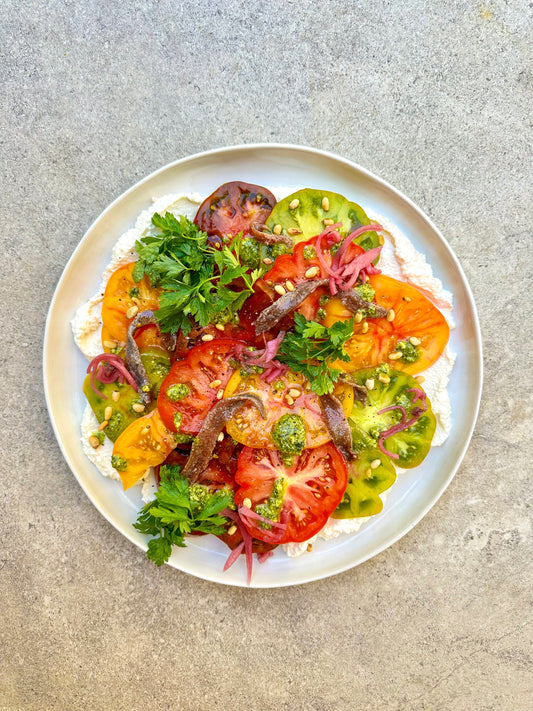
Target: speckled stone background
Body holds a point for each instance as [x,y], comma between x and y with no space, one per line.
[434,97]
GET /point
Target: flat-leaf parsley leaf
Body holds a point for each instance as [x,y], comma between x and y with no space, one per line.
[194,274]
[311,348]
[179,508]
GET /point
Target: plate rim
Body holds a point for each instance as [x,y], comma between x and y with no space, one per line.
[312,577]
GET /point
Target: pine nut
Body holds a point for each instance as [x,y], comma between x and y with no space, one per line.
[215,384]
[390,315]
[294,204]
[110,344]
[309,548]
[289,400]
[94,441]
[115,395]
[364,327]
[327,221]
[414,341]
[289,285]
[138,407]
[395,355]
[219,326]
[375,463]
[247,503]
[384,378]
[369,384]
[102,425]
[293,392]
[207,337]
[221,437]
[420,379]
[368,473]
[280,289]
[267,261]
[132,311]
[294,231]
[325,204]
[220,394]
[407,298]
[312,272]
[277,229]
[108,412]
[358,317]
[232,530]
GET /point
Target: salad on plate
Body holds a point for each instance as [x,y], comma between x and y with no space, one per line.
[264,365]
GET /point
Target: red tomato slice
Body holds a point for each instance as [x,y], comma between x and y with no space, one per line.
[233,207]
[293,267]
[314,486]
[205,363]
[414,317]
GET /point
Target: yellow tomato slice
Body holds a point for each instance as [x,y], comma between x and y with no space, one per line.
[121,294]
[143,444]
[414,317]
[249,428]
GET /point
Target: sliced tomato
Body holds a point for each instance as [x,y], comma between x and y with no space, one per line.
[312,489]
[233,208]
[204,364]
[145,443]
[121,294]
[415,316]
[249,428]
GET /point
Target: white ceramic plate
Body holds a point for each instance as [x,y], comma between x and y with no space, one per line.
[414,493]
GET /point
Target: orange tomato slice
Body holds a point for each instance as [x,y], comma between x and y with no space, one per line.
[143,444]
[415,316]
[120,296]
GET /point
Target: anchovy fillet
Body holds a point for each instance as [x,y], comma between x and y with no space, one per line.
[337,424]
[204,443]
[133,357]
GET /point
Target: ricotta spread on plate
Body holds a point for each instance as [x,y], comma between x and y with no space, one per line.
[399,259]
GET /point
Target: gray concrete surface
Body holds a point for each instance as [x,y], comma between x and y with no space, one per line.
[435,97]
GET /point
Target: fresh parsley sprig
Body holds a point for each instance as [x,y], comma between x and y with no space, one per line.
[195,276]
[311,348]
[179,509]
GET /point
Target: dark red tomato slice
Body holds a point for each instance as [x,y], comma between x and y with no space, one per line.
[233,207]
[312,489]
[205,364]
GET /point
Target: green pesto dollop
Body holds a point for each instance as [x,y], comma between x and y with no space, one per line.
[321,314]
[365,291]
[178,391]
[410,353]
[134,292]
[116,426]
[250,252]
[288,434]
[272,507]
[177,420]
[309,252]
[119,463]
[180,438]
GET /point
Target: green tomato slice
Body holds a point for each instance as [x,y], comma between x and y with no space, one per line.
[309,216]
[365,484]
[157,364]
[412,444]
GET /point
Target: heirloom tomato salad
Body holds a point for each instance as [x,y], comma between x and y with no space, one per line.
[259,364]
